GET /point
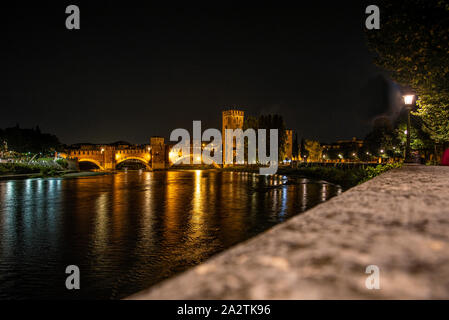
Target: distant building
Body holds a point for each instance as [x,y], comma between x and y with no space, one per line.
[353,144]
[343,150]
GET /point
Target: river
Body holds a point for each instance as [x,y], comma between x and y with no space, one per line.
[128,231]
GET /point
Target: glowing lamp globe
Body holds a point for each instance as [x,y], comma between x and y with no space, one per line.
[408,99]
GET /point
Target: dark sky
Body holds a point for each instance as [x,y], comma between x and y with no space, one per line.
[136,70]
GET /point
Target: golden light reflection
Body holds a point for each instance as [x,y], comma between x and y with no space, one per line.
[232,195]
[324,192]
[101,224]
[148,196]
[198,212]
[146,224]
[120,196]
[174,206]
[304,197]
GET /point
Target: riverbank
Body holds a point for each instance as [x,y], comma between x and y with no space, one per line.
[81,174]
[58,174]
[41,168]
[347,177]
[398,222]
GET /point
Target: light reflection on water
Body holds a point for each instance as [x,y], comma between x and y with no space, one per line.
[130,230]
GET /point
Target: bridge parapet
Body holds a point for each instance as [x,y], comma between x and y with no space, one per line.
[107,157]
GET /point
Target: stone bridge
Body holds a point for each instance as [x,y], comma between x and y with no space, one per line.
[108,157]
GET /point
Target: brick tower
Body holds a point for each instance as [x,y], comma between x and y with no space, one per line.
[231,119]
[157,153]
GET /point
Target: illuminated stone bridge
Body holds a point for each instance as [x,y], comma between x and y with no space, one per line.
[108,157]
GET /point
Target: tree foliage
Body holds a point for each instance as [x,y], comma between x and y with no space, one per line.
[314,150]
[303,151]
[28,140]
[382,137]
[271,121]
[435,116]
[413,46]
[419,138]
[295,147]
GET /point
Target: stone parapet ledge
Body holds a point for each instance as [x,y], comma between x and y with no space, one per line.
[398,221]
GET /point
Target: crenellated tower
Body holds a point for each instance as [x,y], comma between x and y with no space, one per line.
[231,119]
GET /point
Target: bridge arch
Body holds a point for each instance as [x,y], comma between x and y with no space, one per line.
[180,159]
[96,162]
[142,160]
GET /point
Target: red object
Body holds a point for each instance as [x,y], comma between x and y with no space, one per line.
[445,158]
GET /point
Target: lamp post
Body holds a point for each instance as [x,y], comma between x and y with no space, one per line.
[408,101]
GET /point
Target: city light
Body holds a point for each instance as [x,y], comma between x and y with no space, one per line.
[408,99]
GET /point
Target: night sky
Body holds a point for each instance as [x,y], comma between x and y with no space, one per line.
[136,70]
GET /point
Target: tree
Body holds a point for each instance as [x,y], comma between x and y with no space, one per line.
[295,147]
[250,122]
[419,139]
[332,154]
[382,139]
[413,46]
[435,116]
[314,150]
[29,140]
[303,151]
[268,122]
[274,121]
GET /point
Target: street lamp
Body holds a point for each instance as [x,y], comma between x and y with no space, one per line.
[408,101]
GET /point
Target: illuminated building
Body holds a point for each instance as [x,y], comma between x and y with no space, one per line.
[231,119]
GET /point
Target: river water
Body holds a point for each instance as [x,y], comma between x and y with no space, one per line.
[131,230]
